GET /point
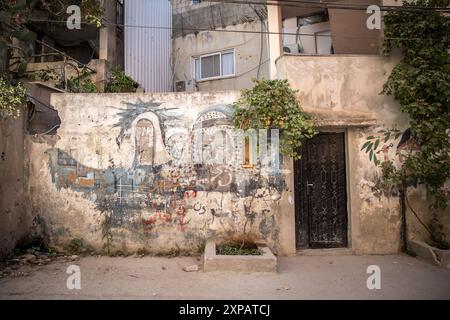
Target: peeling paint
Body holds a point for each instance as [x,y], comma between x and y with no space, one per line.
[152,192]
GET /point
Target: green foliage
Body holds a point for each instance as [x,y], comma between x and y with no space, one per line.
[81,83]
[238,249]
[390,173]
[23,35]
[12,26]
[79,246]
[120,82]
[16,15]
[420,82]
[92,10]
[43,75]
[12,17]
[437,230]
[12,96]
[272,104]
[76,84]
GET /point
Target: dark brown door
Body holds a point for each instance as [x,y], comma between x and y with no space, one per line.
[320,190]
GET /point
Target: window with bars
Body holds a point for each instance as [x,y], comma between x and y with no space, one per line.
[216,65]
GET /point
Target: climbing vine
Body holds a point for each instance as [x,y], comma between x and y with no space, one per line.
[420,82]
[272,104]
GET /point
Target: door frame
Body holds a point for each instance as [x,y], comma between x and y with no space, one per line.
[298,218]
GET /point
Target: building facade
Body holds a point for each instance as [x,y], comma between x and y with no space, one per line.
[121,164]
[227,58]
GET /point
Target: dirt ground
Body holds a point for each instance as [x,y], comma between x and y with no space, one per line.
[300,277]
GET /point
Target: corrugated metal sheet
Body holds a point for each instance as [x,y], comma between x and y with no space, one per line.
[148,43]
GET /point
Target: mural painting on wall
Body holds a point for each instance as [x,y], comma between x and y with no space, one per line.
[180,171]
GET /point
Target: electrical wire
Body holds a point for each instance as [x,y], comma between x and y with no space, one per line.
[48,107]
[250,31]
[334,5]
[41,102]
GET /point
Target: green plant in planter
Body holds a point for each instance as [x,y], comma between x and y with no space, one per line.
[120,82]
[234,248]
[273,104]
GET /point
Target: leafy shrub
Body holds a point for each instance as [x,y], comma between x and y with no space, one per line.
[79,246]
[81,84]
[273,104]
[120,82]
[12,96]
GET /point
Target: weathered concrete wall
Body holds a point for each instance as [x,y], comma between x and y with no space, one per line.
[350,32]
[343,92]
[110,39]
[42,119]
[58,70]
[187,17]
[13,222]
[250,49]
[119,173]
[419,200]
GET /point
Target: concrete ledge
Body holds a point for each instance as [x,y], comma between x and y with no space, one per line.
[325,252]
[423,251]
[214,262]
[443,257]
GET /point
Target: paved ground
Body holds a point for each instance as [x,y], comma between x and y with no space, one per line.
[300,277]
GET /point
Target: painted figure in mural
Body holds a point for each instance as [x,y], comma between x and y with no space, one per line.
[149,149]
[211,137]
[176,146]
[144,142]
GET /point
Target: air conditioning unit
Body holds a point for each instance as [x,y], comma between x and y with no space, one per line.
[185,85]
[291,48]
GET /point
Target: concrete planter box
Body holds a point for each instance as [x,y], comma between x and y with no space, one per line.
[431,254]
[266,262]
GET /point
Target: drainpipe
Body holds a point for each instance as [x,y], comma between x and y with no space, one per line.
[4,64]
[404,229]
[274,14]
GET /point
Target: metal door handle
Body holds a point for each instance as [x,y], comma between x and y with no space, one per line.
[309,185]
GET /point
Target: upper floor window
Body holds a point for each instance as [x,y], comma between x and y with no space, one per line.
[196,1]
[308,34]
[313,19]
[212,66]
